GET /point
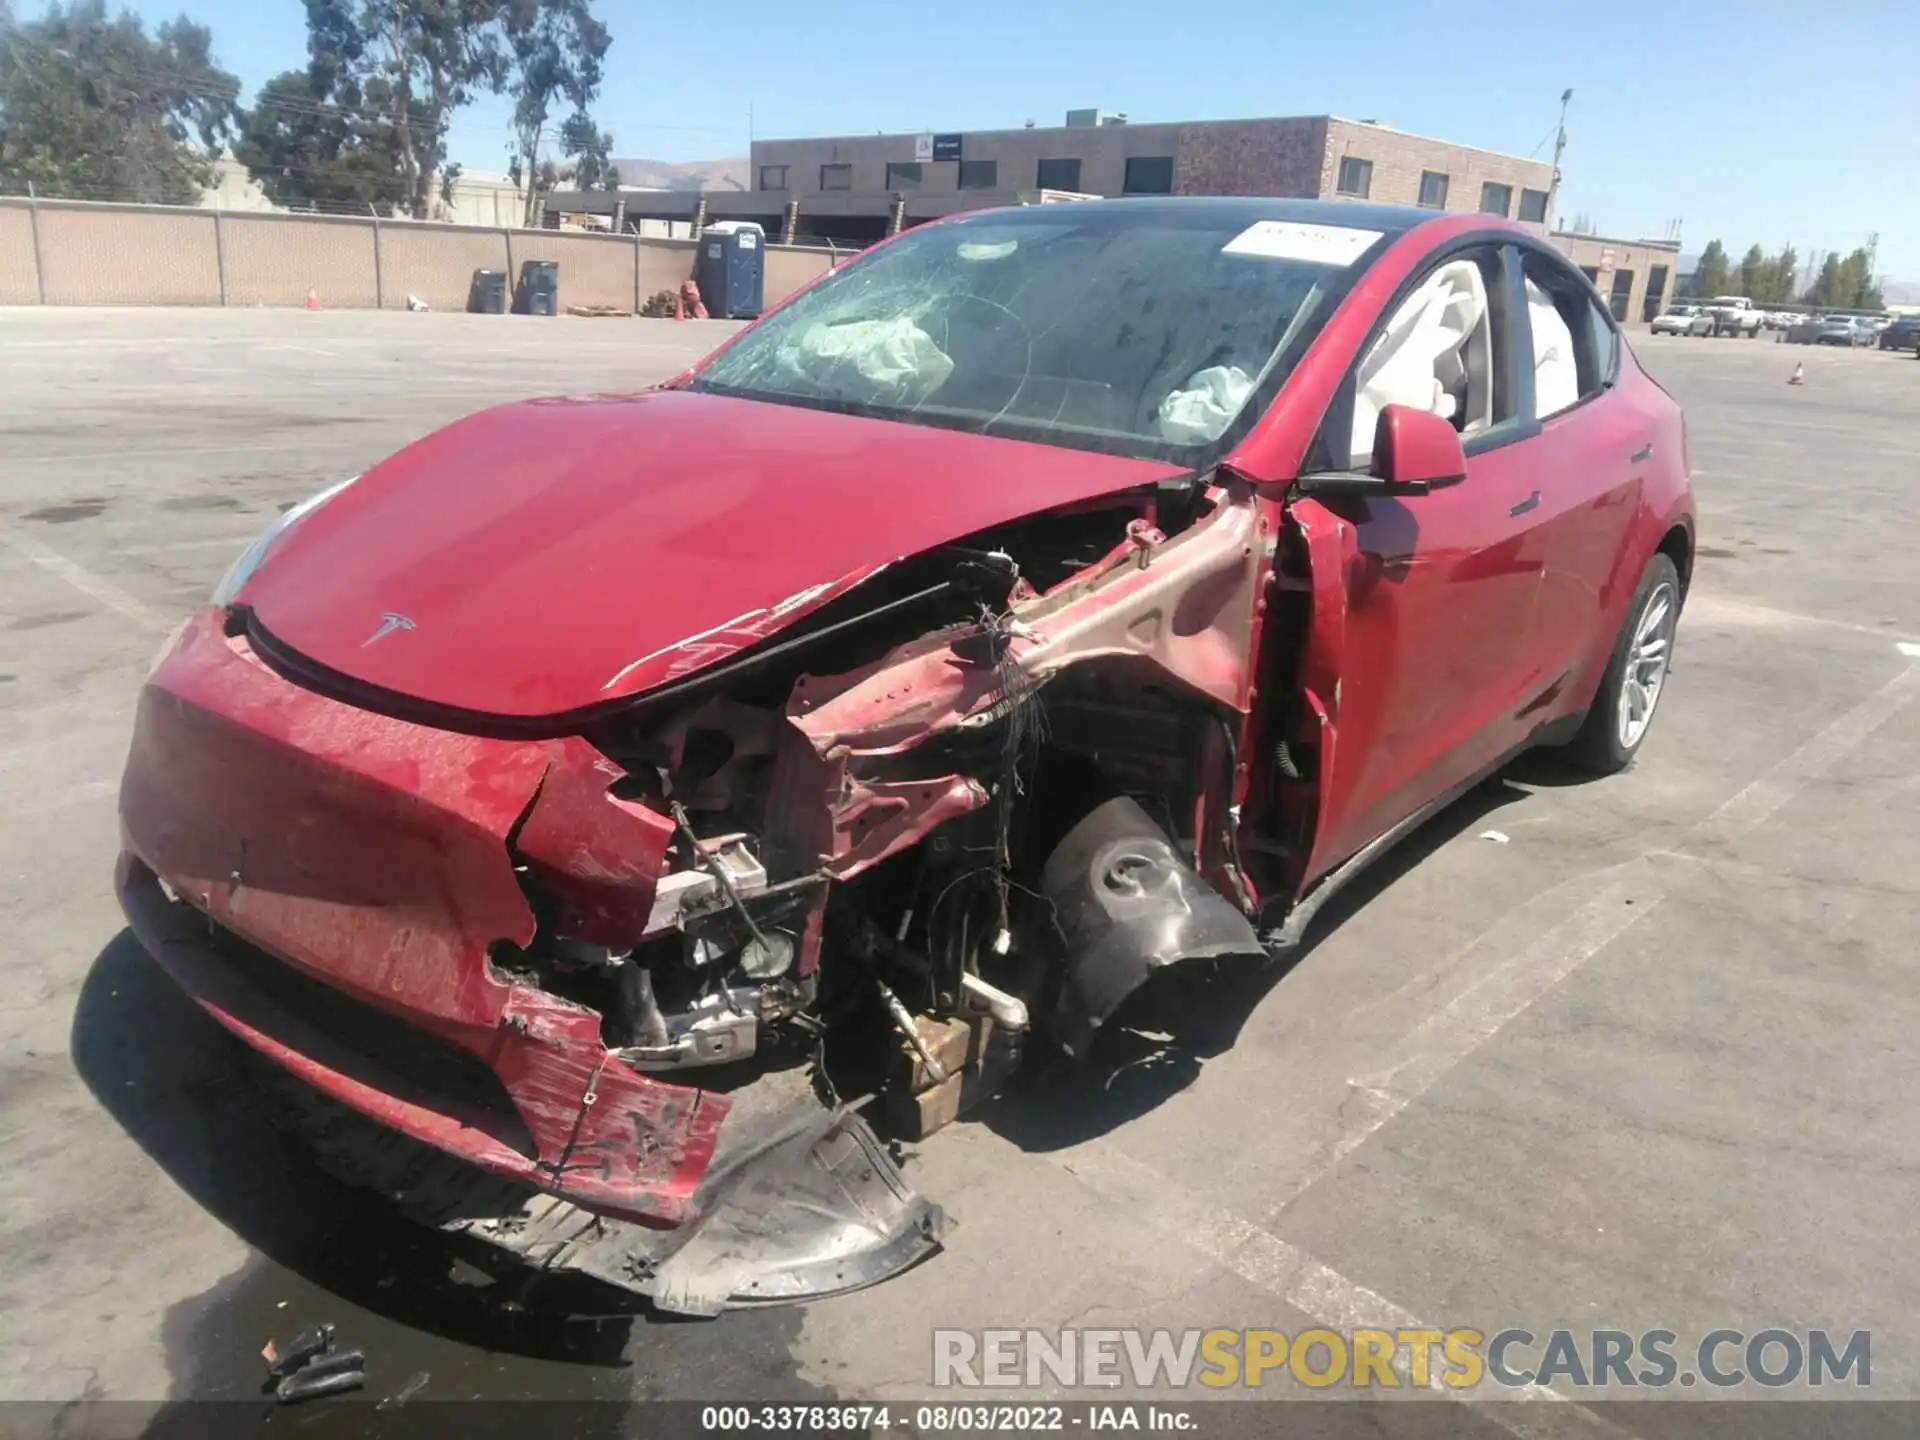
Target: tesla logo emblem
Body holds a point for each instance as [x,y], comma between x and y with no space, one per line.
[390,621]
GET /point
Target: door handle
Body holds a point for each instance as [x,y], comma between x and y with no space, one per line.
[1525,505]
[1641,454]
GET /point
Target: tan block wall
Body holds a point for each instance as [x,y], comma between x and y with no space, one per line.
[788,268]
[436,262]
[112,256]
[19,275]
[662,264]
[276,260]
[594,269]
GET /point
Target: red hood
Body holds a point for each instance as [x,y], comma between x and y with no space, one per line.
[546,556]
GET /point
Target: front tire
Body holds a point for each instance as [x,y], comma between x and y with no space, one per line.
[1636,675]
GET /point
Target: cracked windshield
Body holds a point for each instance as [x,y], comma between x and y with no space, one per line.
[1144,334]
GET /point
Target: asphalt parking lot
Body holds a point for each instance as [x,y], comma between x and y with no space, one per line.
[1650,1059]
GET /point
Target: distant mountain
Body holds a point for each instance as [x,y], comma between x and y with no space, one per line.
[727,174]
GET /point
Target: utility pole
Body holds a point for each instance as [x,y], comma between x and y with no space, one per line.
[1559,148]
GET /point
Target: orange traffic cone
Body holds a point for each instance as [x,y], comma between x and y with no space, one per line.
[1799,376]
[313,302]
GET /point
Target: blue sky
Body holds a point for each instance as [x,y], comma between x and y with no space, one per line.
[1751,121]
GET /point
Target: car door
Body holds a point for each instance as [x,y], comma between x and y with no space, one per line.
[1593,448]
[1426,671]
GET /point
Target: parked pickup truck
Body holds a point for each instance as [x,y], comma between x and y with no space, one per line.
[1735,315]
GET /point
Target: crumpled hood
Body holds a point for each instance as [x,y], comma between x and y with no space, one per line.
[542,557]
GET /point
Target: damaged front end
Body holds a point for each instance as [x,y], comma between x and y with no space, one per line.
[847,869]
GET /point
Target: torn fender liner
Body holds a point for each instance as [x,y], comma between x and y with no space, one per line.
[1128,906]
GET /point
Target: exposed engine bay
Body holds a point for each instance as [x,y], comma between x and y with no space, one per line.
[964,803]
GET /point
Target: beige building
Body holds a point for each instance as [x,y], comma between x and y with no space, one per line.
[856,187]
[1637,277]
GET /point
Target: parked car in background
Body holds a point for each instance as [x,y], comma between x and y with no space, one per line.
[1734,315]
[1902,334]
[1050,598]
[1842,330]
[1684,320]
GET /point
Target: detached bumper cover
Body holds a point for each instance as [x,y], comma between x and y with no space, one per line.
[343,876]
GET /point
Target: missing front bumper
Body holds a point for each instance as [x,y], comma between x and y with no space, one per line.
[800,1201]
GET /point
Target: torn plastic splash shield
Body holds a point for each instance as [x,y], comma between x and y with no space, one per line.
[1128,906]
[803,1203]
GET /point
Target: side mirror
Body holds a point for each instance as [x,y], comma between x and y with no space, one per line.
[1414,451]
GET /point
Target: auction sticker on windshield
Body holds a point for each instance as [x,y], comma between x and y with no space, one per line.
[1315,244]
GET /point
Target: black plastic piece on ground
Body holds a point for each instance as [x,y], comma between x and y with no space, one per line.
[317,1340]
[310,1386]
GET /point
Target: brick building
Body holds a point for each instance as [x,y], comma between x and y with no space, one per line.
[857,187]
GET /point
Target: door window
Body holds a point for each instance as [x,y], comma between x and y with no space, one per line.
[1443,350]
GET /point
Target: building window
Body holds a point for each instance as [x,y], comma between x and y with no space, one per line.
[1533,206]
[1495,199]
[1592,272]
[979,174]
[1356,177]
[836,177]
[1148,175]
[1433,189]
[903,175]
[1058,175]
[773,177]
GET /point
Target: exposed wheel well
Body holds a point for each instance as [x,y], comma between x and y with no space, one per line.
[1677,546]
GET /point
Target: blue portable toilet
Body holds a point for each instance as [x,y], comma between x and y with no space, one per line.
[732,269]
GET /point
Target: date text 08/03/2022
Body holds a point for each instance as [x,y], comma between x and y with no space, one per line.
[931,1419]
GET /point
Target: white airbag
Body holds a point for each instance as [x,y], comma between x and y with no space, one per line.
[1421,358]
[1556,376]
[1202,409]
[893,354]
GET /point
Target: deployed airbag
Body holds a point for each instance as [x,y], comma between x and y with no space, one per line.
[1556,378]
[1432,356]
[893,355]
[1202,409]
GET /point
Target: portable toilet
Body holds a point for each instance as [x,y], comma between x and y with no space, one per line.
[732,269]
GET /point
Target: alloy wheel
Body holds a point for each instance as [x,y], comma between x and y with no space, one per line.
[1645,673]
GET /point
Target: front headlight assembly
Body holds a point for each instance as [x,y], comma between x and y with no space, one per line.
[255,555]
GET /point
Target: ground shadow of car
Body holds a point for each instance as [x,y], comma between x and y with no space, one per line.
[1157,1043]
[183,1090]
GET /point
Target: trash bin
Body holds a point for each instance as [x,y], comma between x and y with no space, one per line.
[488,293]
[539,292]
[732,269]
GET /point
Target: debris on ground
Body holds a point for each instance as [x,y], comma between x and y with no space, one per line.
[308,1366]
[600,312]
[282,1361]
[329,1375]
[416,1382]
[416,304]
[1499,837]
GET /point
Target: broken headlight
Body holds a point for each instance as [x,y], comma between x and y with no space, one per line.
[255,554]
